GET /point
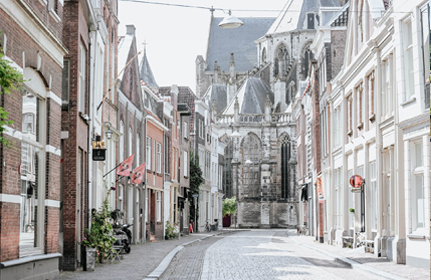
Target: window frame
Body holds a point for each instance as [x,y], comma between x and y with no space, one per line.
[159,158]
[148,153]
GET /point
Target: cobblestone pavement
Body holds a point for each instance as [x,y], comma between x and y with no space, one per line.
[358,255]
[142,260]
[187,263]
[269,254]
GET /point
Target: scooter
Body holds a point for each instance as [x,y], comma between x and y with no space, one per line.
[123,237]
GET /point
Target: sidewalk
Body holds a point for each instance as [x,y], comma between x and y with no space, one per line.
[358,259]
[142,260]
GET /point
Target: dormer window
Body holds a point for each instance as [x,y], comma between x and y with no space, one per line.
[310,21]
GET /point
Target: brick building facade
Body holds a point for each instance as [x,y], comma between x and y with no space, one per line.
[32,40]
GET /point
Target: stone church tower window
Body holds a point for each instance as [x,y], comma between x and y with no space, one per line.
[281,62]
[251,156]
[285,157]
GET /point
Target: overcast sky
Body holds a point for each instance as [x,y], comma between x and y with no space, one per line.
[176,35]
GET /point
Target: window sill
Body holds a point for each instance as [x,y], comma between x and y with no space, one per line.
[54,16]
[416,236]
[411,100]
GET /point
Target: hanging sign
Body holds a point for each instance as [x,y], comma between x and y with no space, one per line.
[356,181]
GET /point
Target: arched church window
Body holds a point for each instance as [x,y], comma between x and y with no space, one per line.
[308,56]
[285,157]
[290,92]
[264,55]
[228,156]
[281,61]
[250,160]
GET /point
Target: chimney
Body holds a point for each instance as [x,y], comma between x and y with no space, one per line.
[130,29]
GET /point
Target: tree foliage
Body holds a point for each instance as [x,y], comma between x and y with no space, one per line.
[196,180]
[10,79]
[229,206]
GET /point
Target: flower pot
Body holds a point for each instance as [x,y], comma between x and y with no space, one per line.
[89,258]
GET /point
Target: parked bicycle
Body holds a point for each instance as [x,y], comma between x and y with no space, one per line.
[361,237]
[207,227]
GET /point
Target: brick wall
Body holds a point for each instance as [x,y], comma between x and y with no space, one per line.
[23,50]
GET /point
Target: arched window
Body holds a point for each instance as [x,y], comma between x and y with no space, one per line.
[281,61]
[308,56]
[250,158]
[121,143]
[285,157]
[290,92]
[228,155]
[264,55]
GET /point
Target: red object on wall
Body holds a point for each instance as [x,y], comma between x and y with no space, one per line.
[356,181]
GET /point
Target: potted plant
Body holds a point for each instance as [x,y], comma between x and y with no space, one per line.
[98,239]
[89,251]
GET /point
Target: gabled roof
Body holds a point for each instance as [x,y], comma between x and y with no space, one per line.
[124,46]
[240,41]
[146,72]
[251,97]
[217,92]
[294,14]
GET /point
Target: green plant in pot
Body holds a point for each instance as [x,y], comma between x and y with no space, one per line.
[100,234]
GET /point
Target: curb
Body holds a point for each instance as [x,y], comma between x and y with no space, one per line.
[352,264]
[160,269]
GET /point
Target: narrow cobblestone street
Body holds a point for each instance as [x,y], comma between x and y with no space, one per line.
[257,254]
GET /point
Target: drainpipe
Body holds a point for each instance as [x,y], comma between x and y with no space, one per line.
[91,193]
[379,160]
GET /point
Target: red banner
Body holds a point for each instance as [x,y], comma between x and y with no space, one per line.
[138,174]
[126,166]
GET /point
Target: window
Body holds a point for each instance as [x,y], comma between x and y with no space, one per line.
[337,127]
[207,201]
[361,106]
[121,143]
[350,202]
[167,154]
[350,115]
[338,198]
[138,150]
[159,206]
[186,171]
[32,179]
[417,198]
[120,197]
[370,81]
[285,157]
[65,86]
[185,131]
[387,94]
[373,195]
[425,39]
[159,158]
[148,144]
[130,148]
[251,156]
[82,78]
[408,60]
[310,21]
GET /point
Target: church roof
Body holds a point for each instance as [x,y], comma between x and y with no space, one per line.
[217,92]
[124,47]
[146,72]
[251,97]
[294,13]
[240,41]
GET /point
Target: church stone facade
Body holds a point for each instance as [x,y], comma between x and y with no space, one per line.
[250,98]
